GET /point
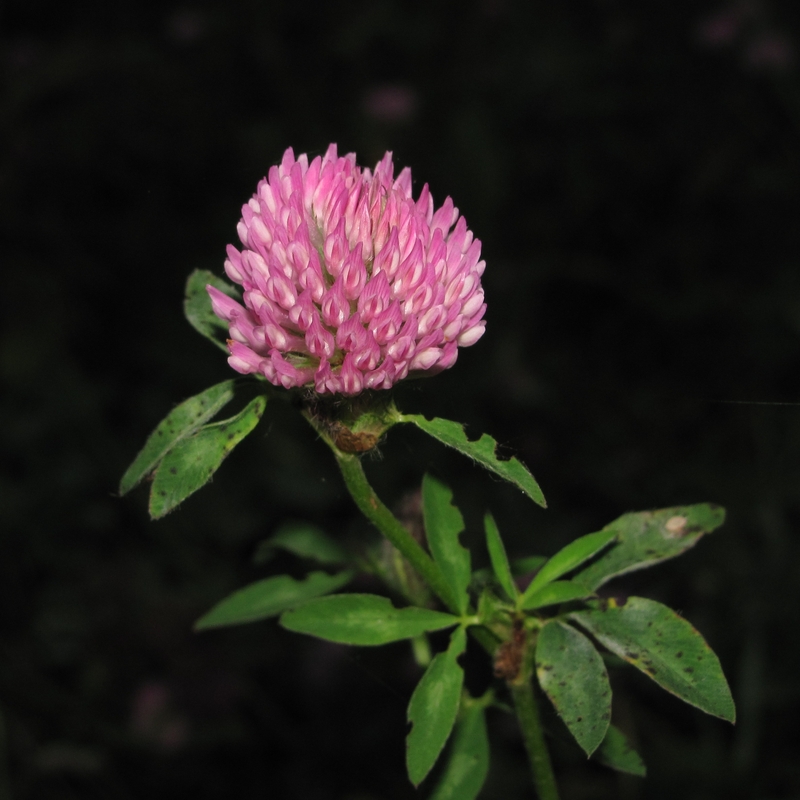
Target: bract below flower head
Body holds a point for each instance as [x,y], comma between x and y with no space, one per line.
[349,284]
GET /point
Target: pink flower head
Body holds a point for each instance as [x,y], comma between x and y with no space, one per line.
[349,283]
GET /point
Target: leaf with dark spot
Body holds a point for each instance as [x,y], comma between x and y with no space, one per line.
[190,464]
[645,538]
[626,631]
[181,422]
[572,674]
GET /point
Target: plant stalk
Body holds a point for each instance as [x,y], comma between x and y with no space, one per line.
[538,755]
[522,687]
[382,518]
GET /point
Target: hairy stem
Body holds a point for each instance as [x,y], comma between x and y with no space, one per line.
[386,522]
[528,715]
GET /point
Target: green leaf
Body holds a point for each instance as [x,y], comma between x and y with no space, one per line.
[566,559]
[304,540]
[572,674]
[364,619]
[443,524]
[646,537]
[664,646]
[468,761]
[523,566]
[617,753]
[482,450]
[197,306]
[433,708]
[555,593]
[499,559]
[190,464]
[270,597]
[182,421]
[491,607]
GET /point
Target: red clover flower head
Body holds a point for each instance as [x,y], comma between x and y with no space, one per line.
[349,284]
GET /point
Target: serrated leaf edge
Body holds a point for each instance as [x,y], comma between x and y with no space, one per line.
[537,495]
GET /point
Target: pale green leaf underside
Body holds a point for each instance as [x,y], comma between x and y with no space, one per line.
[654,639]
[181,422]
[270,597]
[645,538]
[190,464]
[305,541]
[572,674]
[617,753]
[482,450]
[468,761]
[443,524]
[433,709]
[555,593]
[363,619]
[568,558]
[198,310]
[498,557]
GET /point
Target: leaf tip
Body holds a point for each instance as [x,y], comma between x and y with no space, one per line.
[590,750]
[417,770]
[157,511]
[730,714]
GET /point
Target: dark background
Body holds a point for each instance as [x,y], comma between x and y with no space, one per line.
[632,171]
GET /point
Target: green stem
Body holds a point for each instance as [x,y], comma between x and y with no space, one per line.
[521,688]
[386,522]
[531,726]
[485,638]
